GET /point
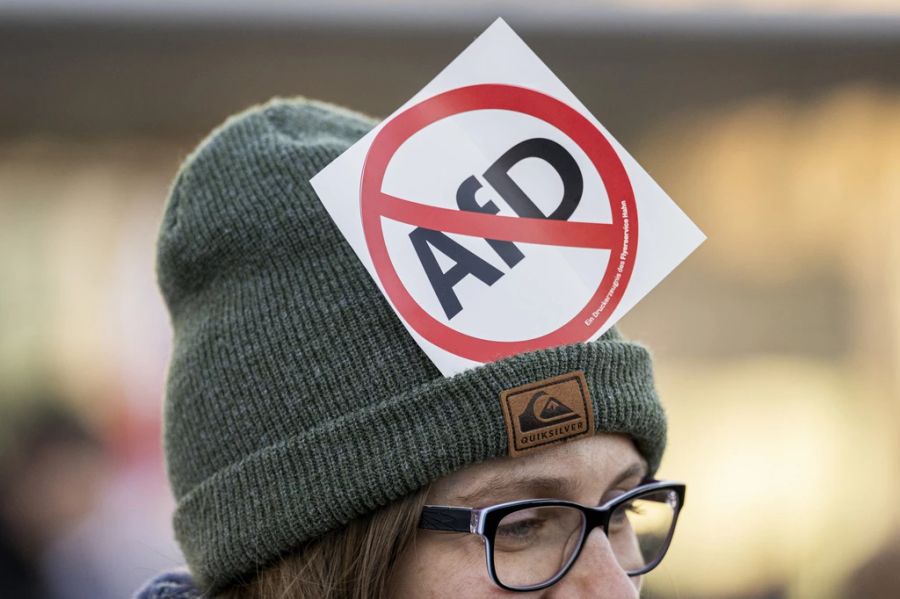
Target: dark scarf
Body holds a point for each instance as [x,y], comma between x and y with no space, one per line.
[177,584]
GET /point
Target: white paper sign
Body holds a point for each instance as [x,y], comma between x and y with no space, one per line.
[497,215]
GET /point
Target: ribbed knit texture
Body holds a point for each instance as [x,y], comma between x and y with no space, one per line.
[296,400]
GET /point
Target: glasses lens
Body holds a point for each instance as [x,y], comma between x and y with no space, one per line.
[640,530]
[533,545]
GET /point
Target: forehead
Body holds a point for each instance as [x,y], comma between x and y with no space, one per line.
[588,464]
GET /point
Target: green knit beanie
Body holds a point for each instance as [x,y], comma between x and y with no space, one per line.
[296,400]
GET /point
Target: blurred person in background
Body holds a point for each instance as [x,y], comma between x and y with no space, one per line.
[51,474]
[879,577]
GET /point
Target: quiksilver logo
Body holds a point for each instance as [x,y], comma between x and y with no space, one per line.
[552,412]
[551,434]
[547,411]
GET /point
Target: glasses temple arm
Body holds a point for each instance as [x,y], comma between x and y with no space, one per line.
[450,519]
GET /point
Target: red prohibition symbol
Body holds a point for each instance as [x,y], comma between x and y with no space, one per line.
[620,236]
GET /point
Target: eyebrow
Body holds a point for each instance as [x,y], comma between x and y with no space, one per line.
[635,470]
[506,485]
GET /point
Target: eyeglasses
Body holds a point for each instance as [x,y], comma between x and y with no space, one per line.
[531,544]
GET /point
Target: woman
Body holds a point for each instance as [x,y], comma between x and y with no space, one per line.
[315,451]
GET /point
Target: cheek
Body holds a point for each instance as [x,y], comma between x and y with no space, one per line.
[438,566]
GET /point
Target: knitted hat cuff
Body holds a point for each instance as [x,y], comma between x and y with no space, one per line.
[250,512]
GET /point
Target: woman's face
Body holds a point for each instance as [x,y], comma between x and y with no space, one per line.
[589,471]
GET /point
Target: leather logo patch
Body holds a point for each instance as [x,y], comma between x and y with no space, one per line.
[547,411]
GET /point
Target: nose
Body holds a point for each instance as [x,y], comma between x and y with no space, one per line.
[596,574]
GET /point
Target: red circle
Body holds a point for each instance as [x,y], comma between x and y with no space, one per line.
[518,99]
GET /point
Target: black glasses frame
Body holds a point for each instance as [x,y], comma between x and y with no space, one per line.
[484,522]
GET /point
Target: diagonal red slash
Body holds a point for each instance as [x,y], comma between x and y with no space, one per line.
[505,228]
[375,206]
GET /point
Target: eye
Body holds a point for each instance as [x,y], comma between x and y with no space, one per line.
[520,529]
[620,515]
[545,526]
[627,512]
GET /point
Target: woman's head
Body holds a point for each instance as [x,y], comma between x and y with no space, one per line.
[396,552]
[537,541]
[297,402]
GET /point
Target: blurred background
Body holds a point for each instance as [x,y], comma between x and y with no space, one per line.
[775,124]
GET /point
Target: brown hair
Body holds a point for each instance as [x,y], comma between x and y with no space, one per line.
[353,562]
